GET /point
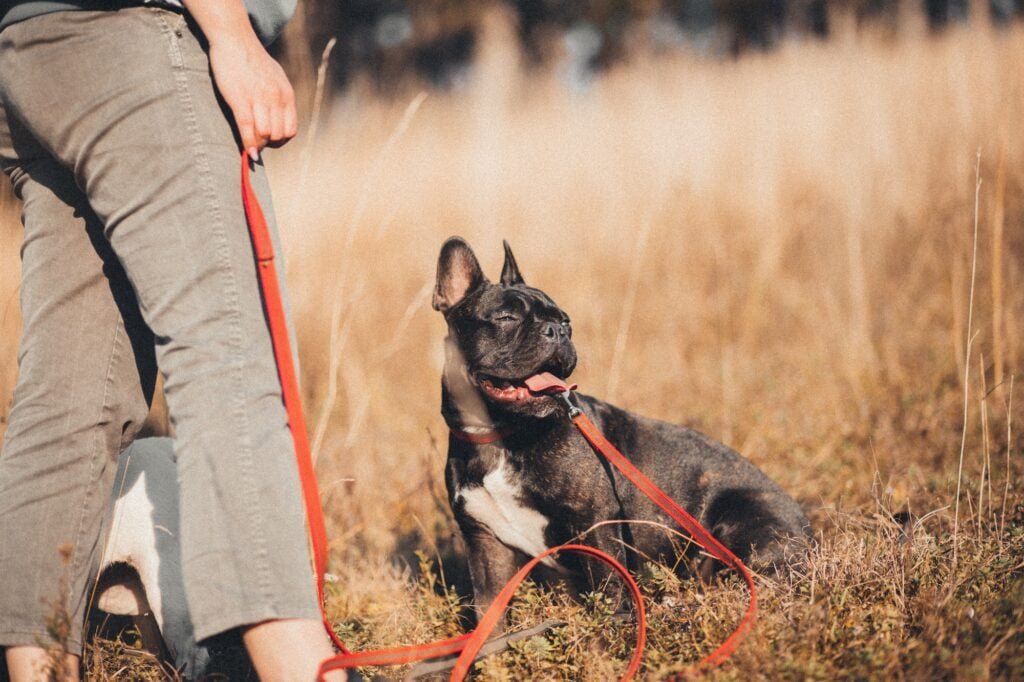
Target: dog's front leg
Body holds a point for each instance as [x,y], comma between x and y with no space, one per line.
[491,565]
[598,576]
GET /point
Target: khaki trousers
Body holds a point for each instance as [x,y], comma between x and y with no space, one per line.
[136,255]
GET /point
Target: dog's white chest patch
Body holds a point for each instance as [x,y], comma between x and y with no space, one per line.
[497,505]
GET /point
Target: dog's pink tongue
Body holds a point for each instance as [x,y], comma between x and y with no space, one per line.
[546,382]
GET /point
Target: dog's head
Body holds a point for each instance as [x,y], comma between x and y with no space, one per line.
[499,334]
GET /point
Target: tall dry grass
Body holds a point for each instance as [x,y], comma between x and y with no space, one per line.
[777,250]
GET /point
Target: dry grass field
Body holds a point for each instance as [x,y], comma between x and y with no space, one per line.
[790,252]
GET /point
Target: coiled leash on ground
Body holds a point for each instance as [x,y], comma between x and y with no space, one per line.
[469,644]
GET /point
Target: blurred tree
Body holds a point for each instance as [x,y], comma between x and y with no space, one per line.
[389,42]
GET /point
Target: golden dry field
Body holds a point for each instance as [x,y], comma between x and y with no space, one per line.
[814,254]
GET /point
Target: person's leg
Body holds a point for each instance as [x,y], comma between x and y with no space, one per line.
[36,664]
[271,646]
[156,154]
[86,374]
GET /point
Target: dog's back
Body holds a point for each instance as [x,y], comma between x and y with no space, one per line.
[731,497]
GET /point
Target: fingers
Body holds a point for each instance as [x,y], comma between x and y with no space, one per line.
[283,119]
[276,125]
[271,123]
[261,120]
[291,120]
[247,132]
[258,93]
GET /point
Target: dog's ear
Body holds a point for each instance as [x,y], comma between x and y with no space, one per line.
[458,273]
[510,275]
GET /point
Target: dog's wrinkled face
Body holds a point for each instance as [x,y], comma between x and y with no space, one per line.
[505,332]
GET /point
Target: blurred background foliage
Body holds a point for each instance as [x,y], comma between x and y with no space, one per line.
[391,43]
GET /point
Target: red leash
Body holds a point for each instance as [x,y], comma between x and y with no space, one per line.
[692,526]
[263,249]
[469,644]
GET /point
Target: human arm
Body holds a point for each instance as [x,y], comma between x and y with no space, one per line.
[254,86]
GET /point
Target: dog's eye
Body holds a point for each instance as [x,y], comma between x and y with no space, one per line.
[505,317]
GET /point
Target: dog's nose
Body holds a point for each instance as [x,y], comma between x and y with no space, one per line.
[553,330]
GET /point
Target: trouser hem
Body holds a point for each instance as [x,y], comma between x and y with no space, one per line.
[253,617]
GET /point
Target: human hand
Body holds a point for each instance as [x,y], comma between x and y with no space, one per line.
[256,90]
[254,86]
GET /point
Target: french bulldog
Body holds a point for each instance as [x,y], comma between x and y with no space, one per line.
[522,479]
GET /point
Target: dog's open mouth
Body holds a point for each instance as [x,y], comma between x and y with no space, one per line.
[513,390]
[507,390]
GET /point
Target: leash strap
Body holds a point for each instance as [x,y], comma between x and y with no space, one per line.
[692,526]
[263,248]
[469,644]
